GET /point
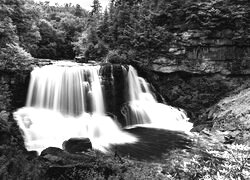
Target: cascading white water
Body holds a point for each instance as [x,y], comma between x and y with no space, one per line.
[144,110]
[65,101]
[65,89]
[57,109]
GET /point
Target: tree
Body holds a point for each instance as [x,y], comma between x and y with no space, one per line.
[96,10]
[7,32]
[103,28]
[79,12]
[80,46]
[10,20]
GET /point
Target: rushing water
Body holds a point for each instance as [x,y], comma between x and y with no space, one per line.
[66,89]
[66,101]
[146,111]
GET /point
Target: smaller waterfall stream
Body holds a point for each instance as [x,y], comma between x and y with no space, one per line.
[66,101]
[145,111]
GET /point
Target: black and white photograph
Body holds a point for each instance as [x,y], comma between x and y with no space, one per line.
[124,89]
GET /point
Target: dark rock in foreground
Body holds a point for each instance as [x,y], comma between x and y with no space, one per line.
[75,145]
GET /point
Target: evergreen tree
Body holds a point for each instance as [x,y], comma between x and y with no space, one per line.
[78,11]
[103,28]
[96,10]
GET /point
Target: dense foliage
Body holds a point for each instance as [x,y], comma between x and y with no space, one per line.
[42,30]
[150,29]
[140,29]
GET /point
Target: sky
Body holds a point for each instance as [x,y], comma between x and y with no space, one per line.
[84,3]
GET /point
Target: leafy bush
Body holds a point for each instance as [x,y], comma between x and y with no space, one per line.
[13,56]
[113,57]
[96,52]
[232,162]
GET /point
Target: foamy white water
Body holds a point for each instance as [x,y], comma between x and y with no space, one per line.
[146,111]
[66,89]
[65,101]
[44,128]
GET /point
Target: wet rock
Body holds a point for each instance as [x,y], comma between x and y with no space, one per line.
[53,159]
[52,151]
[5,137]
[75,145]
[31,155]
[54,155]
[59,156]
[114,88]
[4,116]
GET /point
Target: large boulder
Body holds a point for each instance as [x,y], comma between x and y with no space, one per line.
[77,145]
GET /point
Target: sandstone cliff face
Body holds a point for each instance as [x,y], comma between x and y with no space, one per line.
[223,59]
[208,37]
[209,57]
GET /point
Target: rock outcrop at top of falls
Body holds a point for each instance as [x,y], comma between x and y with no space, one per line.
[208,37]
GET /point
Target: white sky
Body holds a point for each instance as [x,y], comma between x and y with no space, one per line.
[84,3]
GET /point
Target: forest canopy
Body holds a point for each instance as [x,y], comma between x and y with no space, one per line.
[126,29]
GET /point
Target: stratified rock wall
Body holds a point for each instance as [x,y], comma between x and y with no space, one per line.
[208,57]
[208,37]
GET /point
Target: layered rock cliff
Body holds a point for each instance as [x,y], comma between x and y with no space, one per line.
[208,57]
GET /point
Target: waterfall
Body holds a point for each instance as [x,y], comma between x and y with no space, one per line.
[144,110]
[65,100]
[138,88]
[65,89]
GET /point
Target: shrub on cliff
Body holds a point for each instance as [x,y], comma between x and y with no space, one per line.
[114,58]
[96,52]
[14,57]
